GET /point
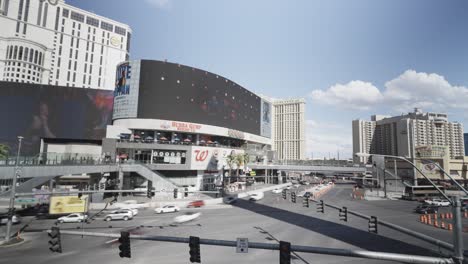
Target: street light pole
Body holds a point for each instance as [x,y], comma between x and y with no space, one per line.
[13,192]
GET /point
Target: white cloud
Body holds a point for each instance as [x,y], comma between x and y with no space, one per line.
[327,138]
[357,95]
[160,4]
[428,91]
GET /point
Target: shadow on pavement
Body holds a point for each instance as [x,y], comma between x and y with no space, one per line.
[344,233]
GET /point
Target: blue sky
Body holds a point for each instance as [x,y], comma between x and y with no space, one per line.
[349,59]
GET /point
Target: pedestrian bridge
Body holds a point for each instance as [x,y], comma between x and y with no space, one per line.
[310,168]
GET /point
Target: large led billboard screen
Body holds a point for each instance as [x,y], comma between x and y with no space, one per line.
[171,91]
[37,111]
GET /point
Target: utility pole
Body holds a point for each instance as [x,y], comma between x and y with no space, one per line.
[457,230]
[13,192]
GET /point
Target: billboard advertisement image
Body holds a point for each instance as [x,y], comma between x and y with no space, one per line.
[37,111]
[68,204]
[126,90]
[265,119]
[208,158]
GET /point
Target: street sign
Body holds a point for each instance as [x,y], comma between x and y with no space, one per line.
[26,200]
[242,245]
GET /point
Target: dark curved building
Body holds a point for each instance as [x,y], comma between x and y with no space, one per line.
[154,94]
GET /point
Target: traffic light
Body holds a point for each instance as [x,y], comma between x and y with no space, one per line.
[320,207]
[283,193]
[194,244]
[80,194]
[293,197]
[285,252]
[305,202]
[124,247]
[54,240]
[175,193]
[373,224]
[186,192]
[344,214]
[149,191]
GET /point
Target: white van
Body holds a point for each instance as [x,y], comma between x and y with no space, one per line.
[256,196]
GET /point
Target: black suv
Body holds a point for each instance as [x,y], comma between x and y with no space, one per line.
[426,209]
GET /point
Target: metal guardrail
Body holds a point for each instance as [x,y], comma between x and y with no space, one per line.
[295,248]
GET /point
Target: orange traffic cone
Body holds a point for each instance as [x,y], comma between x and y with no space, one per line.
[447,215]
[450,227]
[421,218]
[429,221]
[465,214]
[436,224]
[435,216]
[442,225]
[442,216]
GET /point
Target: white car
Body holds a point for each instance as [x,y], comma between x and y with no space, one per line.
[438,202]
[186,217]
[133,210]
[277,191]
[167,209]
[4,219]
[72,218]
[297,185]
[119,215]
[256,196]
[288,187]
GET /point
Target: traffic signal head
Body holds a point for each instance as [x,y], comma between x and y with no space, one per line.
[305,201]
[194,244]
[373,224]
[186,192]
[124,247]
[175,193]
[320,207]
[283,193]
[344,214]
[285,252]
[80,194]
[149,193]
[54,240]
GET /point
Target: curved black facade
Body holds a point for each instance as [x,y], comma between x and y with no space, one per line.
[171,91]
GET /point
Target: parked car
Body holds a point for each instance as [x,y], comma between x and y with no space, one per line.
[437,202]
[167,209]
[229,199]
[426,209]
[189,216]
[72,218]
[256,196]
[119,215]
[277,191]
[4,219]
[198,203]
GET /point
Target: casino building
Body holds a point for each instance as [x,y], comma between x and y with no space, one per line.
[180,122]
[183,122]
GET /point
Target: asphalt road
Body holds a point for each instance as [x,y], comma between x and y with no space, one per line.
[280,220]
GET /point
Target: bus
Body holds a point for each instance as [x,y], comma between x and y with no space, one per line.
[422,192]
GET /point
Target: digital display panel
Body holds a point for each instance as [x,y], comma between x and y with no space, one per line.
[36,111]
[171,91]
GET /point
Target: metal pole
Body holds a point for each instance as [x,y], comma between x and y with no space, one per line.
[384,183]
[457,231]
[296,248]
[13,192]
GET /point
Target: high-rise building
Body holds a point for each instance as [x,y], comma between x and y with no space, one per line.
[400,135]
[465,137]
[51,42]
[288,131]
[363,133]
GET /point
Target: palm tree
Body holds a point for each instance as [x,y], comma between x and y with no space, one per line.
[241,160]
[231,159]
[4,151]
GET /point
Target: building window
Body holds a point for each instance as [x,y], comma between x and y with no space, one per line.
[57,18]
[77,16]
[46,10]
[65,13]
[120,31]
[107,26]
[92,21]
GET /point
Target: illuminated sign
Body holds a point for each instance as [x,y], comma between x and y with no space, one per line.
[68,204]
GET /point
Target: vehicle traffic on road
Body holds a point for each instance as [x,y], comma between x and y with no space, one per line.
[119,215]
[189,216]
[73,218]
[167,209]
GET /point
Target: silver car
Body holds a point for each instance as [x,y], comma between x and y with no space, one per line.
[119,215]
